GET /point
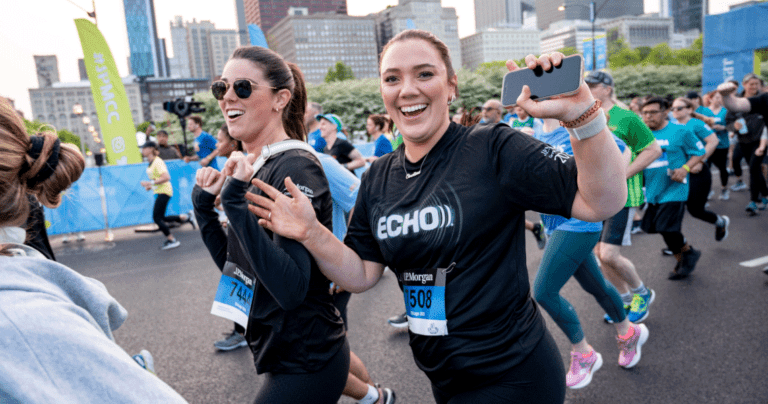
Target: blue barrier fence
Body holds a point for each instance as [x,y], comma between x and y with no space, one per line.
[128,204]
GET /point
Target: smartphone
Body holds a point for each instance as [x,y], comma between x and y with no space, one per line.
[561,80]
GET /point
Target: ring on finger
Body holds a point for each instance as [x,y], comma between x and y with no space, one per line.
[270,216]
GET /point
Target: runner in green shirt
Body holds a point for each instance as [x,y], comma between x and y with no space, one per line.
[627,126]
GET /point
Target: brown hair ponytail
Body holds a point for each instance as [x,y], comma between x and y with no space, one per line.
[293,116]
[40,166]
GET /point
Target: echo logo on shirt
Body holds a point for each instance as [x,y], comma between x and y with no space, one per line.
[555,153]
[430,218]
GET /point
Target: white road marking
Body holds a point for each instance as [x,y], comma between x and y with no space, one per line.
[755,262]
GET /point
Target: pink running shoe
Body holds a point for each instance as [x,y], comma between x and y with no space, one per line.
[582,368]
[629,349]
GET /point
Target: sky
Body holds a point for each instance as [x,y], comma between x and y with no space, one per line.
[46,27]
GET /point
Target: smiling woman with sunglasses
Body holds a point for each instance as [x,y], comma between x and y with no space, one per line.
[445,213]
[295,333]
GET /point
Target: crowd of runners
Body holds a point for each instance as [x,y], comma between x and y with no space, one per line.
[442,203]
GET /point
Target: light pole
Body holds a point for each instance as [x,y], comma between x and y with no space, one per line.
[77,109]
[592,15]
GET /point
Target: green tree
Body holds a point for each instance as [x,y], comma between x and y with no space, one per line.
[662,55]
[617,45]
[643,52]
[568,51]
[68,137]
[339,72]
[624,57]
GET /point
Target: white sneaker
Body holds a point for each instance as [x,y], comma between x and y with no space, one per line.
[170,244]
[725,194]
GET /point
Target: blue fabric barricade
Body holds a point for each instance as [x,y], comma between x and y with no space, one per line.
[128,204]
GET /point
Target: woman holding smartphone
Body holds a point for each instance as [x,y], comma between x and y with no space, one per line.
[445,213]
[293,329]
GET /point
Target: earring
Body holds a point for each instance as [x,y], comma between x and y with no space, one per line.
[453,98]
[277,109]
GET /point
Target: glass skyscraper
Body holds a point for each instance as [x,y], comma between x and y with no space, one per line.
[148,57]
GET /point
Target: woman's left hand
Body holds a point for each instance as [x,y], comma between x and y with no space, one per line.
[565,108]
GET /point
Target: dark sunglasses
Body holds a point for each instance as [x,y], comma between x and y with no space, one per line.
[242,87]
[678,108]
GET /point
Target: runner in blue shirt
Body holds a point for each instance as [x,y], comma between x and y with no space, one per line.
[720,156]
[666,182]
[376,125]
[313,126]
[569,254]
[205,144]
[701,176]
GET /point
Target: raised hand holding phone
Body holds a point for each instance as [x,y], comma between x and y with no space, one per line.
[564,101]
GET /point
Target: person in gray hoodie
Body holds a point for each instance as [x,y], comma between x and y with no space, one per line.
[56,326]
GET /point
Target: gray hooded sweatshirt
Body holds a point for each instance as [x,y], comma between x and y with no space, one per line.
[56,343]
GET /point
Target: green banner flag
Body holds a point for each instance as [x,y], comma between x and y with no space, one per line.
[109,98]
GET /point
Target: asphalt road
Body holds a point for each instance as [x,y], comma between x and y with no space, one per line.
[708,334]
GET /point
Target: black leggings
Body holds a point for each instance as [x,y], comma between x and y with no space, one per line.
[720,160]
[699,186]
[158,214]
[675,241]
[736,160]
[540,378]
[757,184]
[322,387]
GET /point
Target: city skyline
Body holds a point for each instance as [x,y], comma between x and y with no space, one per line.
[52,32]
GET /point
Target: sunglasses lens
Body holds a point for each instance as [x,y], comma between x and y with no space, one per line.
[242,88]
[218,89]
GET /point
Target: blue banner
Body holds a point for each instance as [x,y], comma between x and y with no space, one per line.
[736,31]
[601,46]
[717,69]
[257,36]
[587,46]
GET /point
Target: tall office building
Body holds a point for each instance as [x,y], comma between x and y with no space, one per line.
[565,34]
[495,44]
[645,30]
[180,62]
[148,56]
[428,15]
[223,43]
[501,13]
[665,10]
[242,25]
[687,14]
[199,49]
[316,42]
[47,70]
[547,11]
[267,13]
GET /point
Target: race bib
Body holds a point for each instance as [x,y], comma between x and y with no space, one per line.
[234,295]
[424,294]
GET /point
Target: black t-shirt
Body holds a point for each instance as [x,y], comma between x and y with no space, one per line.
[759,105]
[465,214]
[293,325]
[341,150]
[37,235]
